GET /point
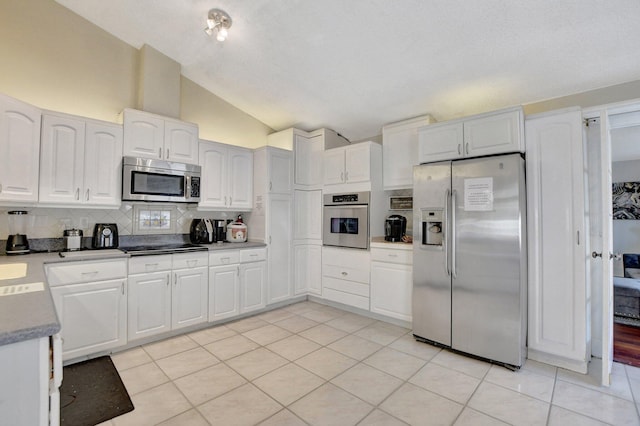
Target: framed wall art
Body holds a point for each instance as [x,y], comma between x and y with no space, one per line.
[626,200]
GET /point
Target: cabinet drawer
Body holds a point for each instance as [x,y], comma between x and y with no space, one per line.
[346,298]
[78,272]
[345,257]
[345,286]
[400,256]
[253,255]
[224,257]
[146,264]
[356,274]
[190,260]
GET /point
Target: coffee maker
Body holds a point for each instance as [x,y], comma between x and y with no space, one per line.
[219,230]
[17,242]
[395,228]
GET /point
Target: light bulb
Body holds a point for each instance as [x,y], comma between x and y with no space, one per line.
[209,31]
[222,34]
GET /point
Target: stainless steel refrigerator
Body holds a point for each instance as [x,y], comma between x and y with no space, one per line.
[469,257]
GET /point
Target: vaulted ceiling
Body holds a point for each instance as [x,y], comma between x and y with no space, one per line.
[354,65]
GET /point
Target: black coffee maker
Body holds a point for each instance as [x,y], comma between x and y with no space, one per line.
[395,228]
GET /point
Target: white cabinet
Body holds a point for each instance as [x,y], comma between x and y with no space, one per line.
[91,302]
[237,282]
[150,135]
[400,151]
[355,167]
[81,161]
[308,160]
[271,221]
[556,240]
[392,280]
[486,134]
[307,261]
[167,292]
[19,151]
[345,276]
[307,216]
[227,177]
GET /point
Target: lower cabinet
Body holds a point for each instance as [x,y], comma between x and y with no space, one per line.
[166,292]
[91,302]
[237,282]
[307,261]
[392,282]
[345,276]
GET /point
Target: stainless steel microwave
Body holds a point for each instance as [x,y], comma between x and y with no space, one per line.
[144,179]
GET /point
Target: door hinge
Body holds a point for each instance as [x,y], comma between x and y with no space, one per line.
[589,121]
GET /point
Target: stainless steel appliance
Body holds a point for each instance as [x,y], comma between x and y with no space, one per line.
[105,235]
[145,179]
[395,227]
[346,220]
[201,231]
[162,249]
[219,230]
[72,239]
[17,242]
[470,260]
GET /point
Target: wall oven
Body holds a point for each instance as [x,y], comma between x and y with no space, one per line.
[346,220]
[144,179]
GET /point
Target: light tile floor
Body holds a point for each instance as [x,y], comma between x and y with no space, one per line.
[313,364]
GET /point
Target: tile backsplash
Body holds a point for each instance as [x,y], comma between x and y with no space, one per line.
[51,222]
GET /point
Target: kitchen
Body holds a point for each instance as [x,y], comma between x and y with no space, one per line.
[109,94]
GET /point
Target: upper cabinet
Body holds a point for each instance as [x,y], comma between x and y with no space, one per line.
[400,151]
[161,138]
[81,161]
[227,177]
[19,151]
[358,164]
[486,134]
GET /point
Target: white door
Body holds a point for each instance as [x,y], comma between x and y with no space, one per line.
[149,304]
[308,160]
[143,135]
[391,288]
[181,142]
[213,184]
[440,142]
[61,168]
[189,297]
[240,178]
[93,316]
[493,134]
[307,220]
[279,216]
[307,261]
[333,166]
[280,171]
[224,292]
[252,286]
[102,164]
[19,150]
[357,160]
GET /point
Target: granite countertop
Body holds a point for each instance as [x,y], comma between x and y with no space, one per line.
[380,242]
[233,246]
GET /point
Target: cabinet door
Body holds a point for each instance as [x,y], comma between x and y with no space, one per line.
[240,178]
[307,220]
[180,142]
[93,316]
[19,150]
[307,260]
[224,292]
[213,185]
[149,304]
[308,160]
[62,168]
[391,288]
[252,286]
[103,164]
[400,153]
[143,135]
[279,215]
[189,297]
[280,171]
[556,237]
[333,166]
[440,142]
[357,160]
[495,134]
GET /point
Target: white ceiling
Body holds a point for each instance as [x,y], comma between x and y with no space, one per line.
[355,65]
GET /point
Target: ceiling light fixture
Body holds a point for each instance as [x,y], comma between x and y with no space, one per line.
[218,22]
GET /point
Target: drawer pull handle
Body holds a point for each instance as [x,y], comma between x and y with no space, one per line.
[253,255]
[89,273]
[344,274]
[192,263]
[393,255]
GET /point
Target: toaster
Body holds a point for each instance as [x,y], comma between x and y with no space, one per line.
[105,235]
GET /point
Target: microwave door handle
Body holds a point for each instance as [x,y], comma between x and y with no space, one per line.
[187,189]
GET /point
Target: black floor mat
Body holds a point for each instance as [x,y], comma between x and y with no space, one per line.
[91,393]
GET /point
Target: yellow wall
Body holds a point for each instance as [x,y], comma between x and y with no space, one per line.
[57,60]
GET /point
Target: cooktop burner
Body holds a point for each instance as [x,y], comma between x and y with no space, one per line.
[161,249]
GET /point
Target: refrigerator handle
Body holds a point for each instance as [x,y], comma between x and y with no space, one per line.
[453,234]
[445,242]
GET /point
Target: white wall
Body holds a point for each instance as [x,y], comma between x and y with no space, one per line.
[626,233]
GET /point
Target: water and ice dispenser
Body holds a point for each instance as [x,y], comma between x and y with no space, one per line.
[432,227]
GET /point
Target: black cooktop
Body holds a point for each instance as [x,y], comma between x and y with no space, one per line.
[162,249]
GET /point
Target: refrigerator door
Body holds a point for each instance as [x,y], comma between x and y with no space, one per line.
[489,258]
[431,280]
